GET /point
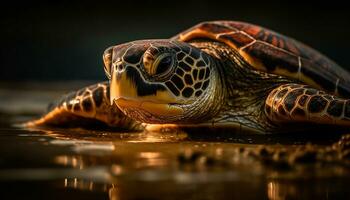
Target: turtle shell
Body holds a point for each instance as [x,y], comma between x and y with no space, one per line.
[271,52]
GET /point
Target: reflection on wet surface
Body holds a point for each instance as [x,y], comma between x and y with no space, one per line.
[158,166]
[52,163]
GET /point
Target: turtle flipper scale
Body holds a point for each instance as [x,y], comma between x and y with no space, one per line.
[84,107]
[301,103]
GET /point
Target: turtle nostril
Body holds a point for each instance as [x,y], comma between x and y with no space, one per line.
[119,67]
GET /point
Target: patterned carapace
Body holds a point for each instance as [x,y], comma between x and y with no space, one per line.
[268,51]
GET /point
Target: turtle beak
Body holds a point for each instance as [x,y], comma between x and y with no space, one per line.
[121,87]
[128,90]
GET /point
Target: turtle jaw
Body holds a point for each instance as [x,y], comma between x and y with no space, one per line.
[155,109]
[141,100]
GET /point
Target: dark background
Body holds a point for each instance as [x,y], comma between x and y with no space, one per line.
[65,41]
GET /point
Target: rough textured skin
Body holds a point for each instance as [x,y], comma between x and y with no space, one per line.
[191,78]
[85,106]
[223,73]
[301,103]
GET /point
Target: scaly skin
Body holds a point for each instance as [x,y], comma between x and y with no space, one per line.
[217,74]
[236,96]
[301,103]
[84,107]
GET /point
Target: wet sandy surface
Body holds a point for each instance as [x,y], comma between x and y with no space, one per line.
[93,164]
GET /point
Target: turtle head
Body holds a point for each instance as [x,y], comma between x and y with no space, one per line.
[159,81]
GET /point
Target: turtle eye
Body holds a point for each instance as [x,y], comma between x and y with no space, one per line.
[163,65]
[159,67]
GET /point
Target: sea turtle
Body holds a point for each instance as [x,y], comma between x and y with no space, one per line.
[218,74]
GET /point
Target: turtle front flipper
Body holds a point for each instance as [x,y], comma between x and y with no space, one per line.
[301,103]
[83,108]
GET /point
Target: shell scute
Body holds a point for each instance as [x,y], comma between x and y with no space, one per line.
[271,52]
